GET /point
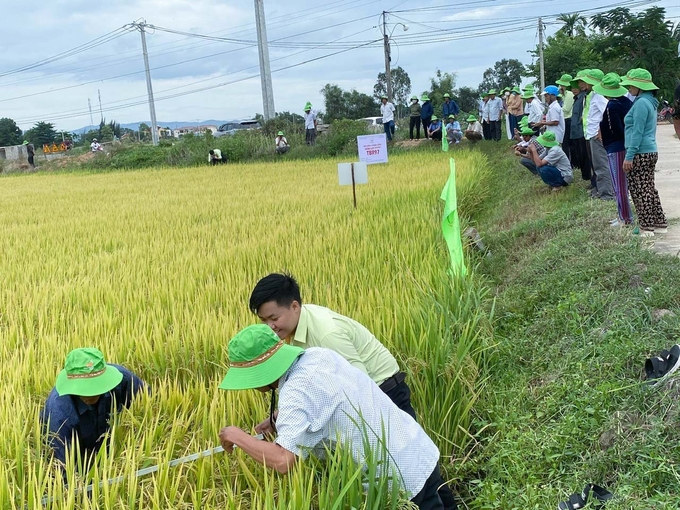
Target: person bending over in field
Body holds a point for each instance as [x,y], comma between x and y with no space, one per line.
[277,302]
[325,399]
[79,407]
[215,157]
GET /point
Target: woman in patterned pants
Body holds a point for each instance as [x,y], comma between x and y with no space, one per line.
[642,153]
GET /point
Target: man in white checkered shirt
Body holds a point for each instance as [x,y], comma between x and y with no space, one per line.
[323,398]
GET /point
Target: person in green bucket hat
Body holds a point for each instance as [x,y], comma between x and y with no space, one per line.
[554,168]
[564,84]
[426,113]
[414,118]
[318,386]
[515,108]
[493,111]
[311,122]
[579,147]
[79,407]
[642,153]
[613,134]
[533,108]
[434,131]
[474,131]
[281,143]
[525,136]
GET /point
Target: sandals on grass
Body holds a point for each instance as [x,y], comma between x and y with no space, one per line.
[576,501]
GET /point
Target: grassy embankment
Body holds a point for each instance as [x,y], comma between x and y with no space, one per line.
[576,316]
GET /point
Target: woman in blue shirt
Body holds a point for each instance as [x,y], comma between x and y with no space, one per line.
[642,153]
[613,132]
[435,129]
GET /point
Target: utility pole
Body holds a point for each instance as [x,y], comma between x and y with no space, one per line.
[149,88]
[388,70]
[265,70]
[101,112]
[89,105]
[540,53]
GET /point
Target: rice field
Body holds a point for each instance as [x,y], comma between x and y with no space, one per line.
[155,268]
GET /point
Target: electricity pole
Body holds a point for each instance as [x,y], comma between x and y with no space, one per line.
[149,88]
[386,44]
[101,112]
[265,70]
[540,53]
[89,105]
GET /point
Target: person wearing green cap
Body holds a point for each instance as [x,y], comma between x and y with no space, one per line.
[554,168]
[564,84]
[642,153]
[30,153]
[281,143]
[322,399]
[387,111]
[493,109]
[580,158]
[450,107]
[434,131]
[613,133]
[77,412]
[534,109]
[311,122]
[414,118]
[593,112]
[426,112]
[453,131]
[521,149]
[474,131]
[515,108]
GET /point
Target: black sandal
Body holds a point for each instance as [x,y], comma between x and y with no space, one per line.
[577,501]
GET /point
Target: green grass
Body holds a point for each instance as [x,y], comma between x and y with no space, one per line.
[565,403]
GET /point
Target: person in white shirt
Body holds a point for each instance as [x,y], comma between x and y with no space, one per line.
[554,120]
[96,146]
[595,106]
[474,129]
[322,399]
[310,124]
[281,143]
[494,111]
[215,157]
[387,111]
[534,110]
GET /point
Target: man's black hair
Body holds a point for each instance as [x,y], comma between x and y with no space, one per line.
[281,288]
[211,152]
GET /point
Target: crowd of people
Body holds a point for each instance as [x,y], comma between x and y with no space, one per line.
[335,380]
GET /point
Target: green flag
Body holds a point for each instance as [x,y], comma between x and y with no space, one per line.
[451,224]
[445,141]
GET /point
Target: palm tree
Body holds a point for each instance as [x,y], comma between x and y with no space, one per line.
[574,25]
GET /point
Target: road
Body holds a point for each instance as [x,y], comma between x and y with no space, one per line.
[668,184]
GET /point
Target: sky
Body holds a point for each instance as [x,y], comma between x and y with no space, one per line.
[57,57]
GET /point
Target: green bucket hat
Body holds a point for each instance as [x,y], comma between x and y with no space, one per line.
[516,89]
[527,131]
[25,142]
[280,133]
[414,98]
[257,358]
[547,139]
[640,78]
[472,118]
[574,84]
[86,374]
[447,95]
[565,80]
[610,86]
[593,76]
[452,116]
[581,74]
[308,106]
[384,97]
[434,117]
[528,94]
[492,91]
[425,97]
[524,121]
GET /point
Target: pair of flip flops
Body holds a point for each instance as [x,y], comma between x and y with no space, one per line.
[576,501]
[661,367]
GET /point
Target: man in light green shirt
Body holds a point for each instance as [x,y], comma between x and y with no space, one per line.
[277,302]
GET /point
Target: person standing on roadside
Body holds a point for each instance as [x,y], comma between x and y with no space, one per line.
[554,120]
[310,124]
[387,111]
[30,153]
[426,112]
[450,107]
[579,157]
[567,110]
[642,153]
[414,119]
[494,113]
[515,108]
[535,110]
[613,131]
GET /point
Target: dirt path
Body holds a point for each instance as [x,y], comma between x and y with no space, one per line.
[668,184]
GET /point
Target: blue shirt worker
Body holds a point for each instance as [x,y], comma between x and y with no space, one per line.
[322,399]
[453,131]
[450,107]
[426,112]
[79,407]
[435,129]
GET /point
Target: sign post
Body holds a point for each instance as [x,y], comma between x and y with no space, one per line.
[352,173]
[372,148]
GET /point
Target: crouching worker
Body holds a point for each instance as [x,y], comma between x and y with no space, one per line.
[453,132]
[322,398]
[78,409]
[474,131]
[554,167]
[281,143]
[215,157]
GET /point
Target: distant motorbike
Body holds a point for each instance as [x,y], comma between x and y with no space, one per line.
[666,113]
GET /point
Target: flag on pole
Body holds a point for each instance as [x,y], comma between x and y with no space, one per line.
[445,141]
[451,223]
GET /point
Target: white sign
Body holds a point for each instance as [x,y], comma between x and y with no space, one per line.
[345,173]
[372,148]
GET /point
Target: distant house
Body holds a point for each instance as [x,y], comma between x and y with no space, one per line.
[195,130]
[14,153]
[165,132]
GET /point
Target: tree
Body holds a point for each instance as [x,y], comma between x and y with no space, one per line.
[625,40]
[144,132]
[10,134]
[504,73]
[467,98]
[442,83]
[401,88]
[40,134]
[564,54]
[574,25]
[343,104]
